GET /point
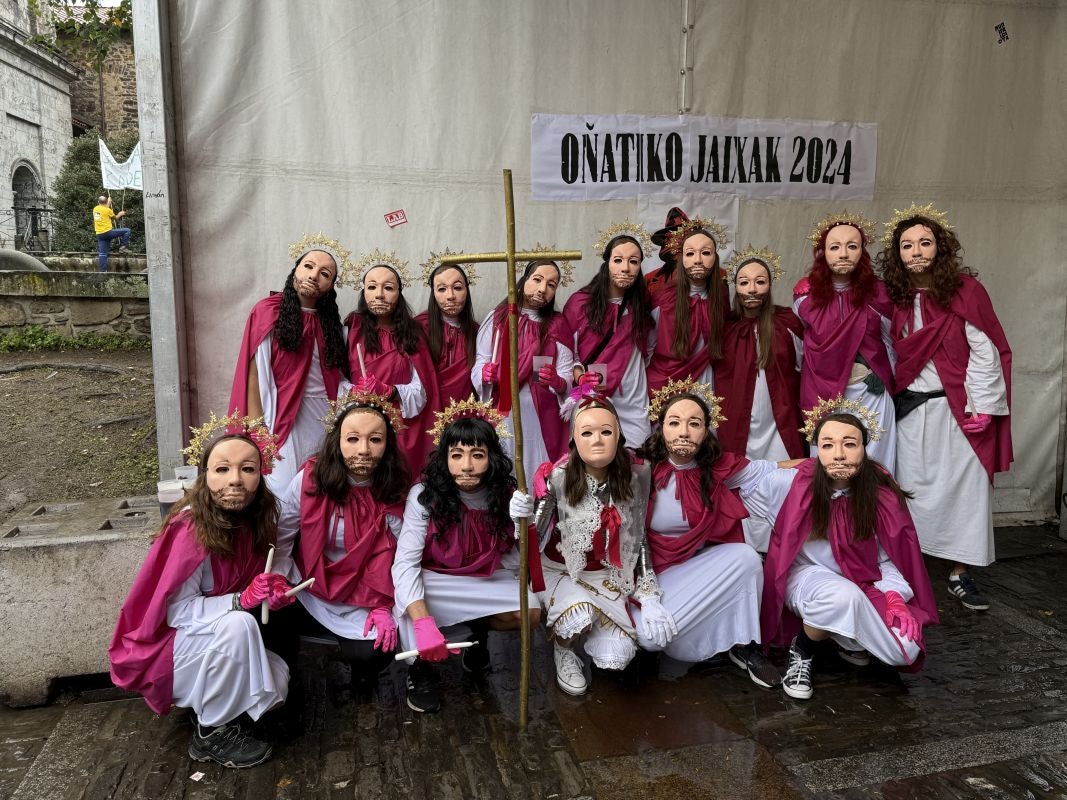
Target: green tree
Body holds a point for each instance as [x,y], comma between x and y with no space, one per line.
[77,187]
[96,24]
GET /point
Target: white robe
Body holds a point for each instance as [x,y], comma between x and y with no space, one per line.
[953,502]
[221,668]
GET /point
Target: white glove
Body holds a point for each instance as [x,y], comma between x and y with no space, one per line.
[657,624]
[521,505]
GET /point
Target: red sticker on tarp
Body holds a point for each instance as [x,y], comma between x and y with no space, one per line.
[394,218]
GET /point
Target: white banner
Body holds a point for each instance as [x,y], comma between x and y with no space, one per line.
[126,175]
[610,157]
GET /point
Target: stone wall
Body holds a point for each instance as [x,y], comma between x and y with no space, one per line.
[74,303]
[120,88]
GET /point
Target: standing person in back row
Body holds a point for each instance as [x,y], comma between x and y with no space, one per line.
[104,224]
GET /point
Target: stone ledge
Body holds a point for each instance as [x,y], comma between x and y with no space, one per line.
[73,284]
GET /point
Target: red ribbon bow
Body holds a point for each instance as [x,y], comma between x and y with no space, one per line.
[608,545]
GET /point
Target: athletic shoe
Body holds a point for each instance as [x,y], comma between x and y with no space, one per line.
[857,658]
[475,660]
[797,680]
[760,670]
[227,745]
[124,250]
[422,695]
[569,673]
[963,587]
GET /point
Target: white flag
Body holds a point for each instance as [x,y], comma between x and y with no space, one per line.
[126,175]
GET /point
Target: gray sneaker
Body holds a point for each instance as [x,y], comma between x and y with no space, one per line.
[227,745]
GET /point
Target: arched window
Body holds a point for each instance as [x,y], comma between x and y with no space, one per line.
[30,207]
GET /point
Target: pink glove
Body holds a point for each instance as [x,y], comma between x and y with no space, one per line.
[490,373]
[976,423]
[371,385]
[429,640]
[590,379]
[540,480]
[266,586]
[548,376]
[898,615]
[802,287]
[382,621]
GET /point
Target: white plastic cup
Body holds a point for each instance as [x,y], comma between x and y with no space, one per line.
[186,473]
[168,493]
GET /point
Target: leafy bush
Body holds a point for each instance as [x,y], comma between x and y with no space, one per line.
[77,187]
[37,337]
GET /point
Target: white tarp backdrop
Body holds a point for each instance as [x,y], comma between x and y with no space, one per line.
[329,114]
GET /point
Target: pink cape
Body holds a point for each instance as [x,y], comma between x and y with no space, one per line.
[467,548]
[716,523]
[943,339]
[142,648]
[616,354]
[453,371]
[363,576]
[834,335]
[393,366]
[665,365]
[289,368]
[735,381]
[894,531]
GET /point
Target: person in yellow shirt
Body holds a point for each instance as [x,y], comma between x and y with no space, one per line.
[104,223]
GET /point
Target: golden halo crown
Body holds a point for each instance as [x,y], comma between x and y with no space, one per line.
[673,388]
[340,254]
[625,228]
[233,425]
[715,229]
[434,261]
[858,221]
[353,397]
[764,255]
[914,210]
[462,409]
[867,417]
[566,268]
[379,258]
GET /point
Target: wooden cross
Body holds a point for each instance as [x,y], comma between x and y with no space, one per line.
[510,256]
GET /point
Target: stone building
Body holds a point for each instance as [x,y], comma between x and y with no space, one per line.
[35,125]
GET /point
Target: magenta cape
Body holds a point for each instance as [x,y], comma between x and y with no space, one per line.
[289,368]
[392,366]
[363,576]
[943,339]
[546,402]
[834,335]
[453,371]
[894,531]
[467,548]
[735,381]
[142,647]
[664,365]
[616,354]
[717,522]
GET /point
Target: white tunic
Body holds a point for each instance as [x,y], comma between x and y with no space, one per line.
[534,452]
[307,432]
[451,599]
[221,668]
[953,502]
[344,620]
[818,593]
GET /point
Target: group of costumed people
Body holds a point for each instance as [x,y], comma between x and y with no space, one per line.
[712,473]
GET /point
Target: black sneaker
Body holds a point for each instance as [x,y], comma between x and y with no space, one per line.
[475,659]
[963,587]
[760,670]
[227,745]
[797,680]
[422,693]
[857,658]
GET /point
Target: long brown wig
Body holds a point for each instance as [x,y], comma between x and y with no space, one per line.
[389,481]
[636,300]
[682,286]
[765,318]
[468,325]
[619,470]
[545,314]
[944,272]
[655,447]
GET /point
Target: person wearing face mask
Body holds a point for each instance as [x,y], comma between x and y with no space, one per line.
[711,579]
[687,338]
[346,503]
[456,562]
[846,313]
[189,633]
[544,337]
[388,353]
[450,327]
[844,560]
[292,358]
[611,322]
[954,403]
[759,374]
[591,519]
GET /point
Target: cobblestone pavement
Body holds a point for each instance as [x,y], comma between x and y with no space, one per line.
[986,719]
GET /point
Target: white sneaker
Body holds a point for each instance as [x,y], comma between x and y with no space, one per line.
[569,673]
[797,680]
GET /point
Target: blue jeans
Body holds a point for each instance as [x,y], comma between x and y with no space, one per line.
[103,243]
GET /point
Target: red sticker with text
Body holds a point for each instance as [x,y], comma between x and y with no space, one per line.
[394,218]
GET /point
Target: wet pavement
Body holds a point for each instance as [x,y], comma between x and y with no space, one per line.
[986,718]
